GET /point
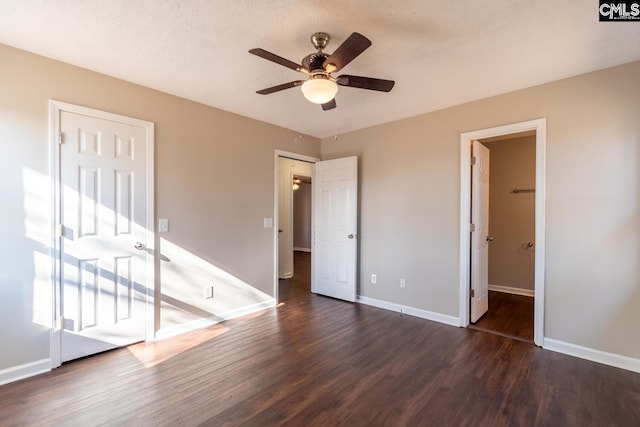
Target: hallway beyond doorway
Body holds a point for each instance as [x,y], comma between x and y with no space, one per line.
[300,283]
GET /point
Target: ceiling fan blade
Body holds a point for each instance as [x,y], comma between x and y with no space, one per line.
[329,105]
[278,88]
[353,46]
[278,60]
[365,83]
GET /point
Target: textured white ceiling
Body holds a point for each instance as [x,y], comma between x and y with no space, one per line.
[440,53]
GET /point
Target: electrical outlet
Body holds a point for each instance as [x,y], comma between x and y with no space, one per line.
[403,284]
[208,292]
[374,279]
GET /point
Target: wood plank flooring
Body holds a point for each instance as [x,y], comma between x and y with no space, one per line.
[508,314]
[315,361]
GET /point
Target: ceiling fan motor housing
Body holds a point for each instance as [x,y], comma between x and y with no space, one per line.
[315,62]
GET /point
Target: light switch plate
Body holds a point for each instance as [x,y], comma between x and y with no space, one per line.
[163,225]
[268,222]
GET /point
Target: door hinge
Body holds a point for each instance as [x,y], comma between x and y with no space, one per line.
[473,160]
[473,293]
[60,230]
[472,227]
[60,138]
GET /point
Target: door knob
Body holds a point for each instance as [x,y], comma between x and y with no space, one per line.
[139,246]
[489,239]
[350,236]
[279,231]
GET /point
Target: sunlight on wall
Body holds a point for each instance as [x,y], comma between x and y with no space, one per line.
[104,276]
[184,276]
[184,280]
[37,224]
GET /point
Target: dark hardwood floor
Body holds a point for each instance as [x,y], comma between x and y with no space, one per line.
[316,361]
[509,315]
[299,286]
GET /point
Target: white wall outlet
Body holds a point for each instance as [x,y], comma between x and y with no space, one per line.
[163,225]
[374,278]
[403,284]
[208,292]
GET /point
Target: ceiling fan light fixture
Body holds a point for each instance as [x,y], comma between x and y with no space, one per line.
[319,89]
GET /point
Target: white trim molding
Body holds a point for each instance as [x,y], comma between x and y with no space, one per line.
[540,127]
[411,311]
[26,370]
[213,319]
[512,290]
[611,359]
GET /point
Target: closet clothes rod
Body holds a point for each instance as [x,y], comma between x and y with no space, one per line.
[524,190]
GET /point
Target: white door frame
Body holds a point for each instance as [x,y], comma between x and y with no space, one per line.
[540,127]
[55,110]
[276,195]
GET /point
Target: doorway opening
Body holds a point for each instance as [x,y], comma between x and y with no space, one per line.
[293,224]
[511,231]
[334,223]
[474,279]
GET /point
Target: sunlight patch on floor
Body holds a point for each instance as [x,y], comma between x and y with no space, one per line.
[153,353]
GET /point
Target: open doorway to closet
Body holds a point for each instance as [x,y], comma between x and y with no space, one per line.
[509,276]
[511,166]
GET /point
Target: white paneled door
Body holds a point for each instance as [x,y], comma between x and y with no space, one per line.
[103,245]
[336,223]
[480,231]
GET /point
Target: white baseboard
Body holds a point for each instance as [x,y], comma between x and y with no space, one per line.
[27,370]
[611,359]
[205,322]
[296,248]
[411,311]
[511,290]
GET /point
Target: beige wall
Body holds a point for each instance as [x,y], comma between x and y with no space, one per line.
[512,215]
[409,201]
[302,216]
[214,182]
[410,204]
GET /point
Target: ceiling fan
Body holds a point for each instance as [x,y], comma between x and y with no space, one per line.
[321,87]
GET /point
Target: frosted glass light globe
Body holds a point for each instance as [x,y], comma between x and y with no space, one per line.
[319,90]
